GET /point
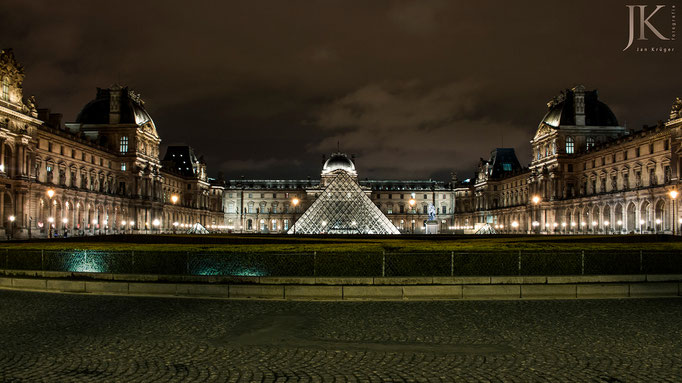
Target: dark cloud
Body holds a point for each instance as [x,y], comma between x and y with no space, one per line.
[414,88]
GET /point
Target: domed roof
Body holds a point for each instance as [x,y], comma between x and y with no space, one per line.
[338,161]
[131,108]
[561,110]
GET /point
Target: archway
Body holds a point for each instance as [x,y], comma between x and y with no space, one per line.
[661,217]
[645,220]
[618,217]
[607,224]
[631,221]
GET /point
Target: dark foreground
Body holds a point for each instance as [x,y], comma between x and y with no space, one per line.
[65,338]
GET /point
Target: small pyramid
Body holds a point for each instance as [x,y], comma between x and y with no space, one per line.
[343,208]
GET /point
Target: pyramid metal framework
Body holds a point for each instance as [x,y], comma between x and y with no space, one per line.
[343,208]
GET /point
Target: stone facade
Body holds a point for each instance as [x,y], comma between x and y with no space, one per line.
[99,175]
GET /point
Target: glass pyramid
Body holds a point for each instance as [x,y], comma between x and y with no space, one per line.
[343,208]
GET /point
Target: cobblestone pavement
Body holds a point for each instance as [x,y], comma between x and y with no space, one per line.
[63,338]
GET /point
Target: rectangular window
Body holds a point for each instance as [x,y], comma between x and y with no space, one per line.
[124,145]
[389,210]
[5,89]
[286,224]
[507,167]
[444,210]
[124,166]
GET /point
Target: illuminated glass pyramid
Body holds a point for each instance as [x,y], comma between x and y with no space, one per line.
[343,208]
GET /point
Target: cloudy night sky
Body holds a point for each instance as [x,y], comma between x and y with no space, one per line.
[413,89]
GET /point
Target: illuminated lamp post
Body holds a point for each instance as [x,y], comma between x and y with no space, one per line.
[50,221]
[658,223]
[11,220]
[94,225]
[175,226]
[673,195]
[65,221]
[412,202]
[515,225]
[156,223]
[295,202]
[536,201]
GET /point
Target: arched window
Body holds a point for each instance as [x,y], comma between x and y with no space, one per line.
[124,145]
[590,143]
[5,88]
[570,145]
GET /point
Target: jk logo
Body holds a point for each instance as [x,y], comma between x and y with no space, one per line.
[644,23]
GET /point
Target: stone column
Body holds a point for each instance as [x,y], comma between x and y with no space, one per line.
[2,208]
[2,156]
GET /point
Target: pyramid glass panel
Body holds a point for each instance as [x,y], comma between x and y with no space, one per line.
[343,208]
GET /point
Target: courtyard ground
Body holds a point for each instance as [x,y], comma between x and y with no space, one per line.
[76,338]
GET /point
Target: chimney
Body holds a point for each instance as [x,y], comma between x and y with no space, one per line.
[115,104]
[579,105]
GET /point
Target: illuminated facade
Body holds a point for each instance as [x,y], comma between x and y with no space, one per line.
[101,174]
[588,174]
[272,206]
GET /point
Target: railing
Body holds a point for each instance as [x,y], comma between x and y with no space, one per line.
[346,264]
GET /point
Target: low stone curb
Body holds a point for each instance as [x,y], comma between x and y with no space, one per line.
[349,281]
[504,289]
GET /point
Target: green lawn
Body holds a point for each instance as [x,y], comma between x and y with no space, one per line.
[352,244]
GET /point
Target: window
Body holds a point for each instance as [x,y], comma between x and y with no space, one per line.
[124,166]
[636,152]
[507,167]
[570,168]
[651,148]
[443,209]
[666,145]
[590,143]
[625,155]
[570,145]
[5,89]
[286,224]
[124,145]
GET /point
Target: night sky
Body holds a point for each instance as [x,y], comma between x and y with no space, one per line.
[414,89]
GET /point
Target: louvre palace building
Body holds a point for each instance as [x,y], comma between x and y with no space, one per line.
[104,174]
[101,174]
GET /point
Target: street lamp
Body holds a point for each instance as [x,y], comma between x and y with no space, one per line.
[673,194]
[175,226]
[50,220]
[174,199]
[536,200]
[295,201]
[11,220]
[50,193]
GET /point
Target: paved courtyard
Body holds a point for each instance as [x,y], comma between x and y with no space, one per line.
[79,338]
